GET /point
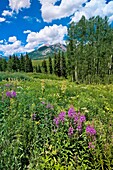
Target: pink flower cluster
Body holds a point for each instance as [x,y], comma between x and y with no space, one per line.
[60,118]
[75,118]
[11,94]
[78,118]
[90,130]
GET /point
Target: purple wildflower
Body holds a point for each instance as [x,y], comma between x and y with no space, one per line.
[90,145]
[79,127]
[90,130]
[43,102]
[75,119]
[8,94]
[34,116]
[61,116]
[7,85]
[11,94]
[82,118]
[49,106]
[70,131]
[71,112]
[56,121]
[54,130]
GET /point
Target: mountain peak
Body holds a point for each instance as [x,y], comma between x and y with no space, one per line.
[46,50]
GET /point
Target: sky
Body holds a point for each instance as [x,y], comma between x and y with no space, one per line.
[27,24]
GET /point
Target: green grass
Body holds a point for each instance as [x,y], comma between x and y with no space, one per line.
[31,140]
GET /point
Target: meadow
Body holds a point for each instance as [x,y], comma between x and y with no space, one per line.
[54,124]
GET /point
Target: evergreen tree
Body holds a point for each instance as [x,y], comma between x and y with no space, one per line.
[55,63]
[14,65]
[63,66]
[39,69]
[17,64]
[58,65]
[28,64]
[10,64]
[22,63]
[50,66]
[3,64]
[44,65]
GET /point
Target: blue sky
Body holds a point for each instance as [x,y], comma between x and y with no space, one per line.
[27,24]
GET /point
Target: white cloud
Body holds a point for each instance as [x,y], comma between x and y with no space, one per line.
[28,18]
[65,9]
[10,48]
[27,32]
[94,8]
[17,5]
[48,35]
[12,39]
[1,41]
[2,19]
[74,7]
[31,19]
[7,12]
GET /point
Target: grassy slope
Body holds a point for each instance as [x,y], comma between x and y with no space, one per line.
[95,101]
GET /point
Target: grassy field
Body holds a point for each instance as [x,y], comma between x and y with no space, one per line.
[54,124]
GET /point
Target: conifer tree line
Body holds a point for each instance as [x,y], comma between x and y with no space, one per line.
[90,50]
[56,66]
[16,64]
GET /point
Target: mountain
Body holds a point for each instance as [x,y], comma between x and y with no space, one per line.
[46,50]
[6,58]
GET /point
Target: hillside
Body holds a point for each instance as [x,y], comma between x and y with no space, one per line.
[46,50]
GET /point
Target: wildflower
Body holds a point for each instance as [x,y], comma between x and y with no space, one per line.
[37,122]
[79,127]
[70,131]
[34,116]
[8,94]
[82,118]
[90,130]
[11,94]
[90,145]
[71,112]
[7,85]
[49,106]
[54,130]
[62,116]
[43,102]
[56,121]
[75,119]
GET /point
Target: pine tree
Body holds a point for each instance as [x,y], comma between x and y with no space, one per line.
[63,66]
[44,65]
[10,64]
[3,64]
[58,65]
[22,63]
[50,65]
[55,63]
[28,64]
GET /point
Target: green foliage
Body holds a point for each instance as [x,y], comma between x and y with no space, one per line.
[90,49]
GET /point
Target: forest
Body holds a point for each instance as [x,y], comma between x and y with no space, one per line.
[89,55]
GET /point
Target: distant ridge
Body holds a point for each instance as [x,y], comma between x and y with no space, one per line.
[46,50]
[6,58]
